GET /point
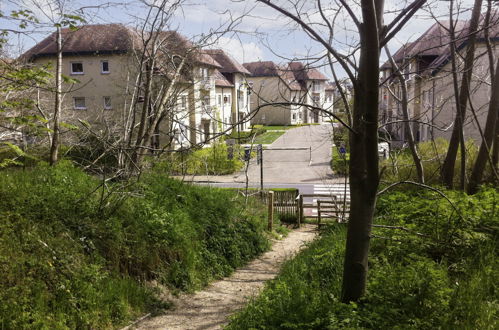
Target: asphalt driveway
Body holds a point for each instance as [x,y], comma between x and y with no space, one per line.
[306,159]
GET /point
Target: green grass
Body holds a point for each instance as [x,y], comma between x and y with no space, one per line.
[282,128]
[446,279]
[75,254]
[268,137]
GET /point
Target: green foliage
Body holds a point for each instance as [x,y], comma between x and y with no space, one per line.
[400,165]
[73,252]
[439,273]
[339,163]
[242,137]
[206,161]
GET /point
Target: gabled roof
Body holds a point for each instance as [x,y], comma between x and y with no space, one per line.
[302,72]
[294,74]
[262,69]
[112,39]
[434,44]
[220,80]
[88,39]
[228,63]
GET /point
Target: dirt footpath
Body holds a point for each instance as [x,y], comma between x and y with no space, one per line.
[210,308]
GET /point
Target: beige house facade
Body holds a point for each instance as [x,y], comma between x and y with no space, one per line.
[285,95]
[426,67]
[102,64]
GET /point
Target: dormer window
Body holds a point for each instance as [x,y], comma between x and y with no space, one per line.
[104,67]
[203,72]
[316,86]
[76,68]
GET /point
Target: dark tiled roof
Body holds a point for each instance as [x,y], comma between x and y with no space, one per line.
[228,63]
[106,38]
[434,44]
[221,81]
[262,69]
[294,74]
[302,72]
[330,86]
[112,38]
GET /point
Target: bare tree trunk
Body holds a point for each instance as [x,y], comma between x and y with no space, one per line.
[405,112]
[490,130]
[495,148]
[54,147]
[457,138]
[364,172]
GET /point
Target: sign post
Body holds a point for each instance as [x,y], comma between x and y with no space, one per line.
[259,159]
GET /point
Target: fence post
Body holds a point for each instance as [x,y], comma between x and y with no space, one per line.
[300,210]
[271,210]
[318,214]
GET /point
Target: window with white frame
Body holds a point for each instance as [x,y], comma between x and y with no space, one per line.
[107,103]
[227,99]
[316,86]
[219,99]
[79,103]
[203,72]
[76,67]
[104,66]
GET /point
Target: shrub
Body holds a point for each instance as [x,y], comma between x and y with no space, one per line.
[207,161]
[339,163]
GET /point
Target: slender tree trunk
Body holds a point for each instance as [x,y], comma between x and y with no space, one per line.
[364,174]
[405,112]
[457,138]
[54,147]
[490,130]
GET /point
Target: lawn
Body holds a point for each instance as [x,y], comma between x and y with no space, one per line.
[268,137]
[278,128]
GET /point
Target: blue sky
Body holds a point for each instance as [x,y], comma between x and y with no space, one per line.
[261,33]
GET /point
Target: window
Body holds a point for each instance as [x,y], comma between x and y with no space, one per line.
[226,99]
[79,103]
[219,99]
[104,67]
[107,103]
[294,116]
[183,101]
[203,72]
[316,86]
[76,68]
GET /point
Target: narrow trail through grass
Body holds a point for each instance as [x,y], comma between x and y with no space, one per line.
[210,308]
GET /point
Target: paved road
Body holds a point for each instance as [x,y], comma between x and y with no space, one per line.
[295,167]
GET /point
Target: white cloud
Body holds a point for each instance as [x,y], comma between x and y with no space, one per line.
[241,51]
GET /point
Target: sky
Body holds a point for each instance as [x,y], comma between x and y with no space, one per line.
[257,32]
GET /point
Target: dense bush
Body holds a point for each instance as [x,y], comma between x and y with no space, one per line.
[73,252]
[400,165]
[441,272]
[339,163]
[207,161]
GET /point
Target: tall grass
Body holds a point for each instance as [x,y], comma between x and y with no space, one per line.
[75,253]
[440,273]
